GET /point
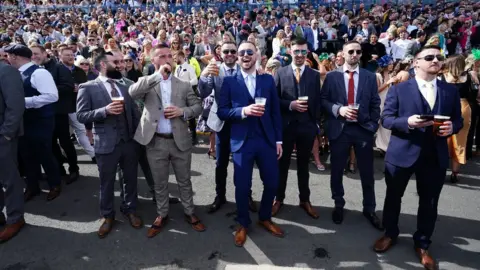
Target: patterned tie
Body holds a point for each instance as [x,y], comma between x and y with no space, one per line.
[297,75]
[430,95]
[351,87]
[114,91]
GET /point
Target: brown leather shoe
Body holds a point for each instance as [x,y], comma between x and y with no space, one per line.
[54,193]
[135,221]
[196,223]
[276,207]
[307,206]
[157,226]
[106,227]
[11,230]
[272,228]
[383,244]
[240,236]
[425,259]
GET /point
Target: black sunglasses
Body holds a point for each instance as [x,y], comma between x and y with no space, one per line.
[359,52]
[128,60]
[247,52]
[430,57]
[229,51]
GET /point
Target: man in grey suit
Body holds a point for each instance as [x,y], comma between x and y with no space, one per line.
[414,47]
[204,51]
[210,83]
[12,106]
[169,104]
[107,104]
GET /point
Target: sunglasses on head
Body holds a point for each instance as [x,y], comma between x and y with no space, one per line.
[351,52]
[229,52]
[300,52]
[246,52]
[430,57]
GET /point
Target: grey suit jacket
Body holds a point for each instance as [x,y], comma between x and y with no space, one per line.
[413,48]
[92,101]
[12,102]
[148,89]
[199,52]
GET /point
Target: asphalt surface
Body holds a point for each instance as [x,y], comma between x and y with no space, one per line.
[62,234]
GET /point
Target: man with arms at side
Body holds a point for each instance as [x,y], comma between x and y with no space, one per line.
[107,104]
[350,96]
[210,81]
[169,104]
[417,147]
[298,87]
[35,145]
[256,137]
[12,106]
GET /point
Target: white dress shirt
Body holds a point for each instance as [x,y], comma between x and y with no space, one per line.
[401,48]
[186,72]
[389,44]
[315,39]
[346,77]
[43,81]
[164,125]
[107,85]
[422,86]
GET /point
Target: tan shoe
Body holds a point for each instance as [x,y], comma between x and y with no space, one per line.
[11,230]
[135,221]
[54,193]
[106,227]
[425,259]
[157,226]
[383,244]
[272,228]
[196,223]
[240,236]
[307,206]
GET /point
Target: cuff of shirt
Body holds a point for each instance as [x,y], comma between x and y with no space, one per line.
[279,142]
[290,106]
[28,102]
[243,113]
[409,127]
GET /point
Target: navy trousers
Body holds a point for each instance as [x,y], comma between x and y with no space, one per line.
[222,142]
[255,150]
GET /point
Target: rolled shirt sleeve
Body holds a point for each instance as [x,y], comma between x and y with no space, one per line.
[43,81]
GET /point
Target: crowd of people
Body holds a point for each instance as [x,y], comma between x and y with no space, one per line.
[136,87]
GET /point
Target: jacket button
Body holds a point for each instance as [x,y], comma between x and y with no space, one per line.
[156,121]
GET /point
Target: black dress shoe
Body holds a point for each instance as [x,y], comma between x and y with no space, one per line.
[252,206]
[454,178]
[217,204]
[72,178]
[337,215]
[374,220]
[94,160]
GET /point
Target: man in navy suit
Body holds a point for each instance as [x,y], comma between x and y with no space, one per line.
[256,137]
[343,90]
[415,147]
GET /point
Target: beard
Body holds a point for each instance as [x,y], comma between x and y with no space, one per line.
[113,73]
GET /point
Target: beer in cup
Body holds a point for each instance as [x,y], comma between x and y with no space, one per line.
[118,100]
[213,61]
[354,106]
[260,101]
[438,120]
[303,99]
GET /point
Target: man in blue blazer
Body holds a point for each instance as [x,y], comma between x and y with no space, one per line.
[256,137]
[347,127]
[416,147]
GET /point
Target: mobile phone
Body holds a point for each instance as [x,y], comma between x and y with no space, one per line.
[426,117]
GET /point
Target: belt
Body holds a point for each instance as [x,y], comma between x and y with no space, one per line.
[164,135]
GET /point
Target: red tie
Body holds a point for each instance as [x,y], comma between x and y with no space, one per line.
[351,88]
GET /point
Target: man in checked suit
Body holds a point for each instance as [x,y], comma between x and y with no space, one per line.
[114,124]
[169,104]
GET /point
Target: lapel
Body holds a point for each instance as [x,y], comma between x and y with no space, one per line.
[417,95]
[174,95]
[243,85]
[362,80]
[341,85]
[258,86]
[158,90]
[124,90]
[441,97]
[291,75]
[105,94]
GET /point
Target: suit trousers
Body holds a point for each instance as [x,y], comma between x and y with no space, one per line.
[362,142]
[147,172]
[12,197]
[255,150]
[62,135]
[474,128]
[124,154]
[36,152]
[162,152]
[430,178]
[302,135]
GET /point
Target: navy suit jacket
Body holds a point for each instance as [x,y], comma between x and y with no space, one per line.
[404,100]
[234,96]
[308,35]
[334,96]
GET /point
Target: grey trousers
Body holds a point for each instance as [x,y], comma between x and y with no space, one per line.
[12,197]
[161,153]
[125,154]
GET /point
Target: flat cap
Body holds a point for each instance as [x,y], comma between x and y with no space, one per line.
[19,50]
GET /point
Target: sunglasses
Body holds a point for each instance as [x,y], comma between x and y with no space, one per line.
[229,52]
[430,57]
[351,52]
[246,52]
[91,39]
[128,60]
[300,52]
[84,64]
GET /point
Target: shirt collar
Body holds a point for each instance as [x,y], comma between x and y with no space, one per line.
[422,83]
[228,68]
[357,69]
[103,78]
[294,67]
[25,66]
[245,75]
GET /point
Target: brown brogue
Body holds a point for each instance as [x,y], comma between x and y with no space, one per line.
[106,227]
[240,236]
[307,206]
[196,223]
[11,230]
[157,226]
[272,228]
[54,193]
[276,207]
[425,259]
[383,244]
[135,221]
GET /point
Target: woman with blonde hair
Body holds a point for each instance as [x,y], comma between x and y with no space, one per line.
[455,74]
[145,59]
[276,42]
[228,37]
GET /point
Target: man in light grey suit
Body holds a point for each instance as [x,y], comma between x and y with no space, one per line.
[12,106]
[107,104]
[169,104]
[414,47]
[211,83]
[204,51]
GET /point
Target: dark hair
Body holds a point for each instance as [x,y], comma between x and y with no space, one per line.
[351,42]
[100,58]
[299,41]
[229,43]
[181,54]
[427,47]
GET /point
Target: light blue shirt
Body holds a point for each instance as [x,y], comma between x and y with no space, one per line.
[250,81]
